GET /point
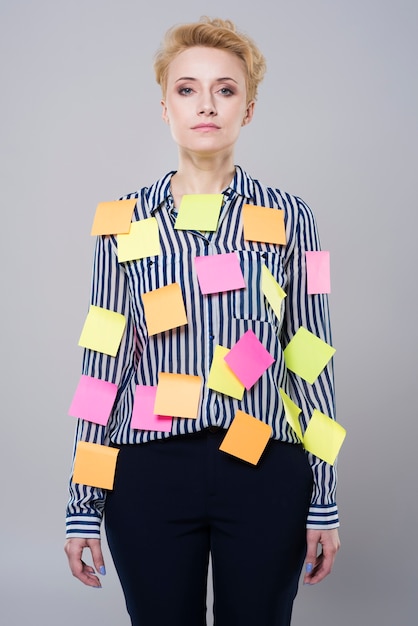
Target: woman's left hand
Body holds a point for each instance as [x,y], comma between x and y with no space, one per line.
[319,562]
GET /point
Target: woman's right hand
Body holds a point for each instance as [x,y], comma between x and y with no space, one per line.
[86,573]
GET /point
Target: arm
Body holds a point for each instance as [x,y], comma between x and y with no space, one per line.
[85,507]
[312,312]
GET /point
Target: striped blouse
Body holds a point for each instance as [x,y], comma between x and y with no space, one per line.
[216,319]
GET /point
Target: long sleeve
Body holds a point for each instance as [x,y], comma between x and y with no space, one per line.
[109,290]
[311,312]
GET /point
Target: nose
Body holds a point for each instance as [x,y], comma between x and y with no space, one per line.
[206,105]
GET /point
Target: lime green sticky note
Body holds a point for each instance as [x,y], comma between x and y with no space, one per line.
[271,289]
[142,241]
[306,355]
[222,378]
[102,330]
[323,437]
[199,212]
[292,412]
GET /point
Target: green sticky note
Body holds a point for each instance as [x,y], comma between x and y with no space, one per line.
[199,212]
[222,378]
[292,412]
[102,330]
[324,437]
[271,289]
[142,241]
[306,355]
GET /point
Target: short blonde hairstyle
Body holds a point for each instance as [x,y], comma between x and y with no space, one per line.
[211,33]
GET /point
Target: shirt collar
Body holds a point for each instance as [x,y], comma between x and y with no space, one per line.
[242,184]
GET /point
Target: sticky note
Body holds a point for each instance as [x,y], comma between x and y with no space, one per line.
[221,378]
[219,272]
[323,437]
[178,395]
[306,355]
[248,359]
[93,400]
[272,291]
[95,465]
[263,224]
[112,218]
[143,416]
[199,212]
[292,412]
[102,330]
[318,272]
[142,241]
[246,438]
[164,309]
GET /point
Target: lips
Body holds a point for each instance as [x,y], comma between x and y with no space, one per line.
[205,127]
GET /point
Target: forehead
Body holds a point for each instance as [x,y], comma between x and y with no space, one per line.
[201,62]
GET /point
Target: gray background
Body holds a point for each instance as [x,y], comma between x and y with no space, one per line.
[336,123]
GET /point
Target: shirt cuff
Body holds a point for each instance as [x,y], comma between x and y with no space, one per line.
[83,526]
[323,517]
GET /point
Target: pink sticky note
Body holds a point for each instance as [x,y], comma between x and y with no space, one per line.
[93,400]
[219,272]
[248,359]
[318,272]
[143,416]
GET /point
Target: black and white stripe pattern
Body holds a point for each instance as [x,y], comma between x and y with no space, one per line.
[212,319]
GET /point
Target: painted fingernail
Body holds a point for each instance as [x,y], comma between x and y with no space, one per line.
[102,570]
[309,568]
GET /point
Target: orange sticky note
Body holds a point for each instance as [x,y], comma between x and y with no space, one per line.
[112,218]
[246,438]
[178,395]
[164,309]
[95,465]
[263,224]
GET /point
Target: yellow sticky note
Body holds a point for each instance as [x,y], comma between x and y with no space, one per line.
[95,465]
[221,378]
[246,438]
[292,412]
[306,355]
[142,241]
[178,395]
[271,289]
[323,437]
[102,330]
[263,224]
[199,212]
[112,218]
[164,309]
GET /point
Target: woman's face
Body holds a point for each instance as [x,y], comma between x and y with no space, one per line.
[206,100]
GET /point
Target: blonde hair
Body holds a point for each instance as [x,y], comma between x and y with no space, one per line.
[211,33]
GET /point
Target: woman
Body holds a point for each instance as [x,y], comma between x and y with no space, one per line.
[177,497]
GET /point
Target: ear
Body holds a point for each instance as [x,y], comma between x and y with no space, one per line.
[165,113]
[248,113]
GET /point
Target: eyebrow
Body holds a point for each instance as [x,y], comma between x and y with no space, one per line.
[218,80]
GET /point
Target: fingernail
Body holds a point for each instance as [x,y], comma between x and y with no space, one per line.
[309,568]
[102,570]
[97,587]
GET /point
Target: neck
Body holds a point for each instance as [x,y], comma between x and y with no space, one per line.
[203,175]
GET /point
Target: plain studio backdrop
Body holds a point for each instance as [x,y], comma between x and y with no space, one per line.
[336,123]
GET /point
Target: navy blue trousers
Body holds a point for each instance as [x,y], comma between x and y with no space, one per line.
[178,500]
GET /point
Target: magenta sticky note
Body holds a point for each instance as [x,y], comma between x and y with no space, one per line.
[143,416]
[318,272]
[93,400]
[248,359]
[219,272]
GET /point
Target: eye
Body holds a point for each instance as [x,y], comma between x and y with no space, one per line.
[185,91]
[226,91]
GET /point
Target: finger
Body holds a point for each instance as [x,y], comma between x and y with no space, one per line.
[97,555]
